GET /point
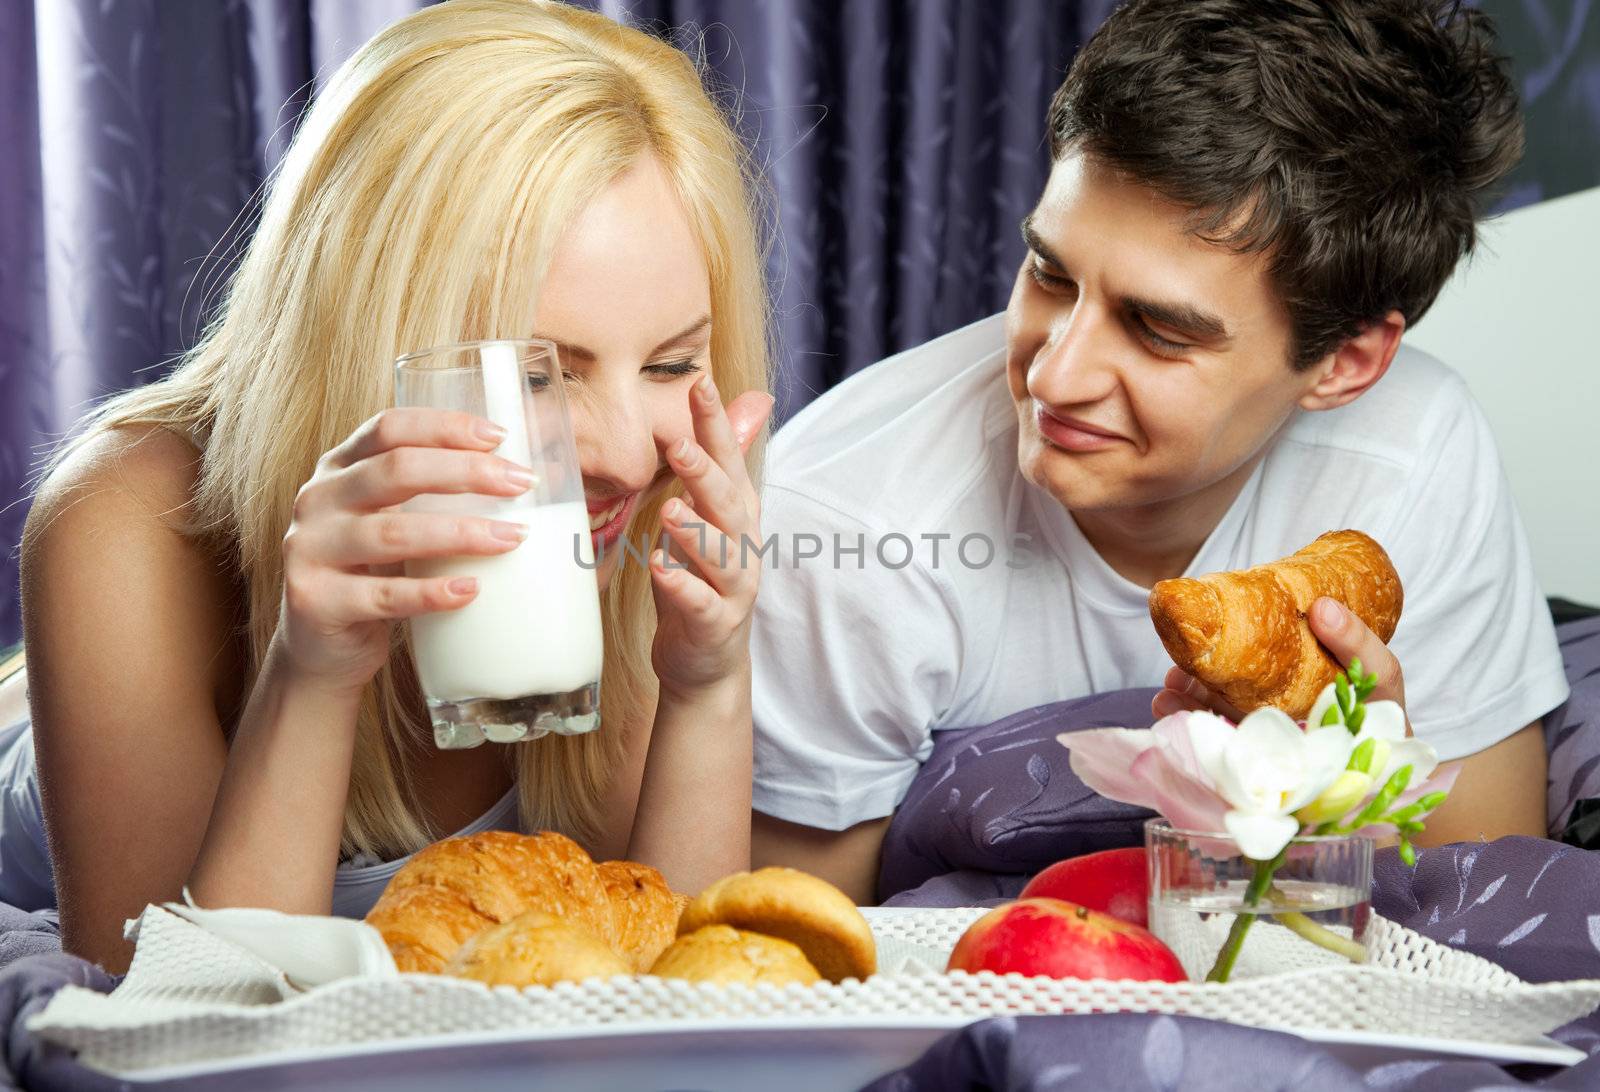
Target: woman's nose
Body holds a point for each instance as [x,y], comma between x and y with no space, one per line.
[615,442]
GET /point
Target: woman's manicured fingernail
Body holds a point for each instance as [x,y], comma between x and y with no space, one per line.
[706,389]
[488,432]
[673,509]
[1166,705]
[520,476]
[463,585]
[1329,613]
[680,451]
[508,532]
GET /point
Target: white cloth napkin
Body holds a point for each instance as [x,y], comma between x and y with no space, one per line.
[310,951]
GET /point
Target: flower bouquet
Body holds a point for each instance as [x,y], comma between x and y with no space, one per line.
[1268,820]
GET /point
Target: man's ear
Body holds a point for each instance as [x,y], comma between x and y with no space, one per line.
[1350,370]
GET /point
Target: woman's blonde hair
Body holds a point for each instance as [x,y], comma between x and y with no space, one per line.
[419,205]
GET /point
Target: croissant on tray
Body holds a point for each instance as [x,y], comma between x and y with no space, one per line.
[1244,634]
[457,888]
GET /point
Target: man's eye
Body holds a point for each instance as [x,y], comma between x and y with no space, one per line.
[1155,340]
[1047,280]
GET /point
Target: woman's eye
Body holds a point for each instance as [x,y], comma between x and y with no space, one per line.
[539,382]
[674,368]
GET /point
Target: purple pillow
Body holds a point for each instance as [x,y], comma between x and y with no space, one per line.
[1001,799]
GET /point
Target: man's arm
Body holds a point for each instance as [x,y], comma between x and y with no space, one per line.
[1501,790]
[848,859]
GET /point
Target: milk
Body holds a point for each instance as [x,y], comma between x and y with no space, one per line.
[534,627]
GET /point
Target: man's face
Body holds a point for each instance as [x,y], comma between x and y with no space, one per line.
[1146,364]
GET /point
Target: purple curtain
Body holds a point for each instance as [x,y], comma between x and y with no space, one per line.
[901,139]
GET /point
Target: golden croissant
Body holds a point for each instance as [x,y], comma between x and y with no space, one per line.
[1244,634]
[456,888]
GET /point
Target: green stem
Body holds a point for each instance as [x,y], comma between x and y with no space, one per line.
[1229,952]
[1302,926]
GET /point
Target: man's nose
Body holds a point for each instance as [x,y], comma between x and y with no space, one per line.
[1077,362]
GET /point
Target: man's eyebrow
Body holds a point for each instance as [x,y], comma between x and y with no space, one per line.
[569,351]
[1180,316]
[1037,244]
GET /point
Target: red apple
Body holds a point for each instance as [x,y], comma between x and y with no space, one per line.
[1062,940]
[1113,881]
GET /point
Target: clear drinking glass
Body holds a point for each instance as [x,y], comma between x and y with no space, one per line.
[523,658]
[1218,909]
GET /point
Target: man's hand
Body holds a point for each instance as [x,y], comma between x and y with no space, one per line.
[1341,633]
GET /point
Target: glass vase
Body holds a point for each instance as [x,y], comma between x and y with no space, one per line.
[1227,916]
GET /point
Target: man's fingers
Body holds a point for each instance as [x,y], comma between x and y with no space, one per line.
[1181,692]
[1348,638]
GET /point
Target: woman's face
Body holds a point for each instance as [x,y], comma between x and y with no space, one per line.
[627,300]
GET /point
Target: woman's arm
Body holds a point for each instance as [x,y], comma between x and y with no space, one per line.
[128,627]
[693,817]
[131,627]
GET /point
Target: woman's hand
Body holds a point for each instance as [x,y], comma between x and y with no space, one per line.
[706,590]
[342,555]
[1339,630]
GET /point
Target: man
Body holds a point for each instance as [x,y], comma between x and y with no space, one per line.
[1247,206]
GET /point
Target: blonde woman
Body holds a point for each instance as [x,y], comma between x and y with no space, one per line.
[220,694]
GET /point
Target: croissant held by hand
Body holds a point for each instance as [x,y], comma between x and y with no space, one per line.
[1245,636]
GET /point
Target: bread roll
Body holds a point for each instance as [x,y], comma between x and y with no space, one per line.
[424,925]
[487,879]
[644,911]
[535,949]
[721,953]
[795,906]
[1245,636]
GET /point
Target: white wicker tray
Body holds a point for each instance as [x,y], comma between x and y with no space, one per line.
[192,1000]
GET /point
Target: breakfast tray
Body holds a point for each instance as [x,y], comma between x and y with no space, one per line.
[192,997]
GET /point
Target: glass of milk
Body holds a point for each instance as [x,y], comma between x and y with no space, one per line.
[522,659]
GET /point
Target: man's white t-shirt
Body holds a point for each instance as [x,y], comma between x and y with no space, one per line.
[948,592]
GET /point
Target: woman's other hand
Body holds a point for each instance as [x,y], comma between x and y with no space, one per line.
[705,590]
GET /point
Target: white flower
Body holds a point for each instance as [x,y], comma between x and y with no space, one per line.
[1384,722]
[1267,769]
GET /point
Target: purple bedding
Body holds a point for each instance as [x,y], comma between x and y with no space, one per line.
[995,804]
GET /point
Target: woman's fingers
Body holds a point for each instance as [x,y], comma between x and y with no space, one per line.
[399,474]
[387,538]
[718,498]
[691,598]
[747,414]
[345,599]
[416,427]
[714,554]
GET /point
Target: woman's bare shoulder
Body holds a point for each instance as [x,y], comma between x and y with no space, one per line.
[111,572]
[142,471]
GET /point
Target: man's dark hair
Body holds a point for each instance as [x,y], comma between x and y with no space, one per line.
[1354,142]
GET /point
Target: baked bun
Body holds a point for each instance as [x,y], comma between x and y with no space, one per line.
[424,925]
[644,911]
[535,949]
[721,953]
[486,879]
[1245,636]
[795,906]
